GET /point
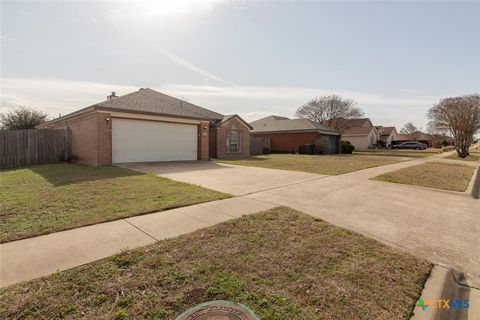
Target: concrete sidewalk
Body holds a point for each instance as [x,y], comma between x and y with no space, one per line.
[441,226]
[31,258]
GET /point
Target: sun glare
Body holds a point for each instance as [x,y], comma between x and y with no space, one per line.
[171,8]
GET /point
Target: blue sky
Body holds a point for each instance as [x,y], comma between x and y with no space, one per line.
[252,58]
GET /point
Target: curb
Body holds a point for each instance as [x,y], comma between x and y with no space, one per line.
[442,285]
[475,186]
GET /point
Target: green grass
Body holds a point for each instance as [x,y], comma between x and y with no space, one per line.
[320,164]
[399,153]
[281,263]
[47,198]
[433,175]
[471,157]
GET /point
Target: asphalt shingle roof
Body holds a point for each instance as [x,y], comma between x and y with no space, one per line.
[148,100]
[386,131]
[276,124]
[358,130]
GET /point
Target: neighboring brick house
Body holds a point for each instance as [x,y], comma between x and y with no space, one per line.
[289,135]
[147,125]
[415,136]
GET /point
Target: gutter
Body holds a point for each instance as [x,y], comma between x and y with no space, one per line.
[97,108]
[66,117]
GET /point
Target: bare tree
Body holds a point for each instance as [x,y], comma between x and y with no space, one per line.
[22,118]
[460,116]
[439,137]
[330,110]
[412,132]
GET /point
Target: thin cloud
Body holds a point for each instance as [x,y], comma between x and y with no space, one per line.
[304,94]
[190,66]
[62,96]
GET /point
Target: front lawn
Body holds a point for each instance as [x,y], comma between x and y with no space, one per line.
[281,263]
[471,157]
[474,150]
[399,152]
[433,175]
[47,198]
[320,164]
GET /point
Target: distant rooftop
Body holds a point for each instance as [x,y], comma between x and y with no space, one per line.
[281,124]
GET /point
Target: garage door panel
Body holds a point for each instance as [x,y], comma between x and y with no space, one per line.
[142,141]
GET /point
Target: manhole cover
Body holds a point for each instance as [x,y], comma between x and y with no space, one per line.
[218,310]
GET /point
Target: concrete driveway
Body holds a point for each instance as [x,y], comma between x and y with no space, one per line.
[236,180]
[440,226]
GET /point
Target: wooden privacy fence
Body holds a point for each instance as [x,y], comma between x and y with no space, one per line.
[259,145]
[33,146]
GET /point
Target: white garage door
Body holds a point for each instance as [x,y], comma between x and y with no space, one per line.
[142,141]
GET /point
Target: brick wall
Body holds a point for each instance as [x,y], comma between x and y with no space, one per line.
[222,135]
[203,143]
[90,138]
[289,142]
[212,142]
[104,139]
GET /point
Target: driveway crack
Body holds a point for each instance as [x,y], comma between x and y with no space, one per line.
[284,185]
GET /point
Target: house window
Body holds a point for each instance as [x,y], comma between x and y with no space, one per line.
[233,140]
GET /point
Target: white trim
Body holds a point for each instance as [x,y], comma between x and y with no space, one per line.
[126,115]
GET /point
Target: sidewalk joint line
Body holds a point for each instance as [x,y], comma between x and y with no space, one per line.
[149,235]
[285,185]
[217,211]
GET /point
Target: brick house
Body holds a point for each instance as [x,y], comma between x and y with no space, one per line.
[289,135]
[147,125]
[416,136]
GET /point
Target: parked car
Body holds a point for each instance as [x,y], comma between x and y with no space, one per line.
[415,145]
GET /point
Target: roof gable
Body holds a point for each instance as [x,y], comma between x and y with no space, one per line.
[358,130]
[235,116]
[386,131]
[346,123]
[148,100]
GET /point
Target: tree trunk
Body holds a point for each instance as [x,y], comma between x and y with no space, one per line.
[462,153]
[462,146]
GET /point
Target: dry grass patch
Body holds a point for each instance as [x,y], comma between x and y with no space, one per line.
[433,175]
[47,198]
[320,164]
[475,148]
[471,157]
[281,263]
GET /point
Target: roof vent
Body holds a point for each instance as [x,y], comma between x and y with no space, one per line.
[112,96]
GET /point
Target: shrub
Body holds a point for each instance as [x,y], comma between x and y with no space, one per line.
[380,144]
[347,147]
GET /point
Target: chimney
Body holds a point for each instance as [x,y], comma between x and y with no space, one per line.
[112,96]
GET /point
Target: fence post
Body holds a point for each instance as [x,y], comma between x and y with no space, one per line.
[66,143]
